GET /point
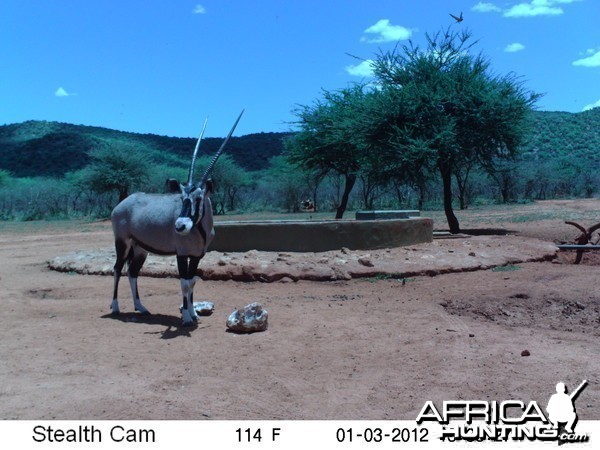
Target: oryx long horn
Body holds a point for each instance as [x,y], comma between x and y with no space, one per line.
[214,160]
[191,172]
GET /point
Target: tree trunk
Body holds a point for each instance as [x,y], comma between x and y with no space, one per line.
[446,172]
[421,188]
[368,192]
[231,197]
[399,194]
[421,200]
[350,180]
[462,183]
[313,183]
[123,194]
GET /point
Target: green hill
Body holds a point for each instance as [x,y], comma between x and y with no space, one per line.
[40,148]
[558,134]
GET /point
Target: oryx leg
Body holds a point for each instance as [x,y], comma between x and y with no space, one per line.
[187,267]
[135,265]
[122,250]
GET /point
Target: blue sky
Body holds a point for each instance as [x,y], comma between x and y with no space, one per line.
[163,66]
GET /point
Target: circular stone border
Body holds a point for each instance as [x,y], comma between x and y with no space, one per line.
[435,258]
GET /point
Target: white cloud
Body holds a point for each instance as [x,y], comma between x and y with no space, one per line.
[526,8]
[535,8]
[384,31]
[62,92]
[364,69]
[485,7]
[514,47]
[199,9]
[592,105]
[590,61]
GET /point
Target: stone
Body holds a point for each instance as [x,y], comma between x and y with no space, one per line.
[365,261]
[249,319]
[202,308]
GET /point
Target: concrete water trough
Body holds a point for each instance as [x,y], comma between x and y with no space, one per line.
[320,235]
[387,214]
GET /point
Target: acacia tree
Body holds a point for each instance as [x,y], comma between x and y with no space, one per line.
[230,180]
[397,155]
[448,110]
[328,140]
[115,168]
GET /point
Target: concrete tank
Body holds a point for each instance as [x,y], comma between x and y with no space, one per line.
[320,235]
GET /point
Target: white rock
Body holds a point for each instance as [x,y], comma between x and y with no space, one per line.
[202,308]
[248,319]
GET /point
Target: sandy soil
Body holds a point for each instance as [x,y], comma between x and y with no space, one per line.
[369,347]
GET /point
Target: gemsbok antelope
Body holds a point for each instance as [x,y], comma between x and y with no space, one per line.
[179,223]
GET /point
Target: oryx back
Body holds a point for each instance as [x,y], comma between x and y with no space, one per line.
[147,220]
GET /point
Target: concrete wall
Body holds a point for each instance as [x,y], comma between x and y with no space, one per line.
[320,236]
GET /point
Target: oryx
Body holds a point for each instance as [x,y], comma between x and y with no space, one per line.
[179,223]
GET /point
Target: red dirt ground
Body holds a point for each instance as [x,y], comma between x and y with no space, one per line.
[365,348]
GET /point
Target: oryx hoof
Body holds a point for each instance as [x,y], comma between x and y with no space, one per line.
[191,323]
[115,312]
[143,311]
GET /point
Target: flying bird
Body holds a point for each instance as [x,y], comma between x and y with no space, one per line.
[458,19]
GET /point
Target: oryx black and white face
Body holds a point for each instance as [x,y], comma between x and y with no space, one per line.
[192,204]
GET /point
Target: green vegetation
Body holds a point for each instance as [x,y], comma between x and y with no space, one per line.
[438,132]
[437,110]
[560,159]
[39,148]
[507,268]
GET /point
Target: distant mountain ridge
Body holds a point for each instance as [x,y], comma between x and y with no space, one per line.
[40,148]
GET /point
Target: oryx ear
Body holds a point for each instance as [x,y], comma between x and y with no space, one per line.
[173,186]
[208,188]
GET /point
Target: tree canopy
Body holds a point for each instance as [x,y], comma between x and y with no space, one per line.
[328,140]
[113,168]
[434,109]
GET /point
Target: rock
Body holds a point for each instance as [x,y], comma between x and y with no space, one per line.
[365,261]
[248,319]
[525,353]
[202,308]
